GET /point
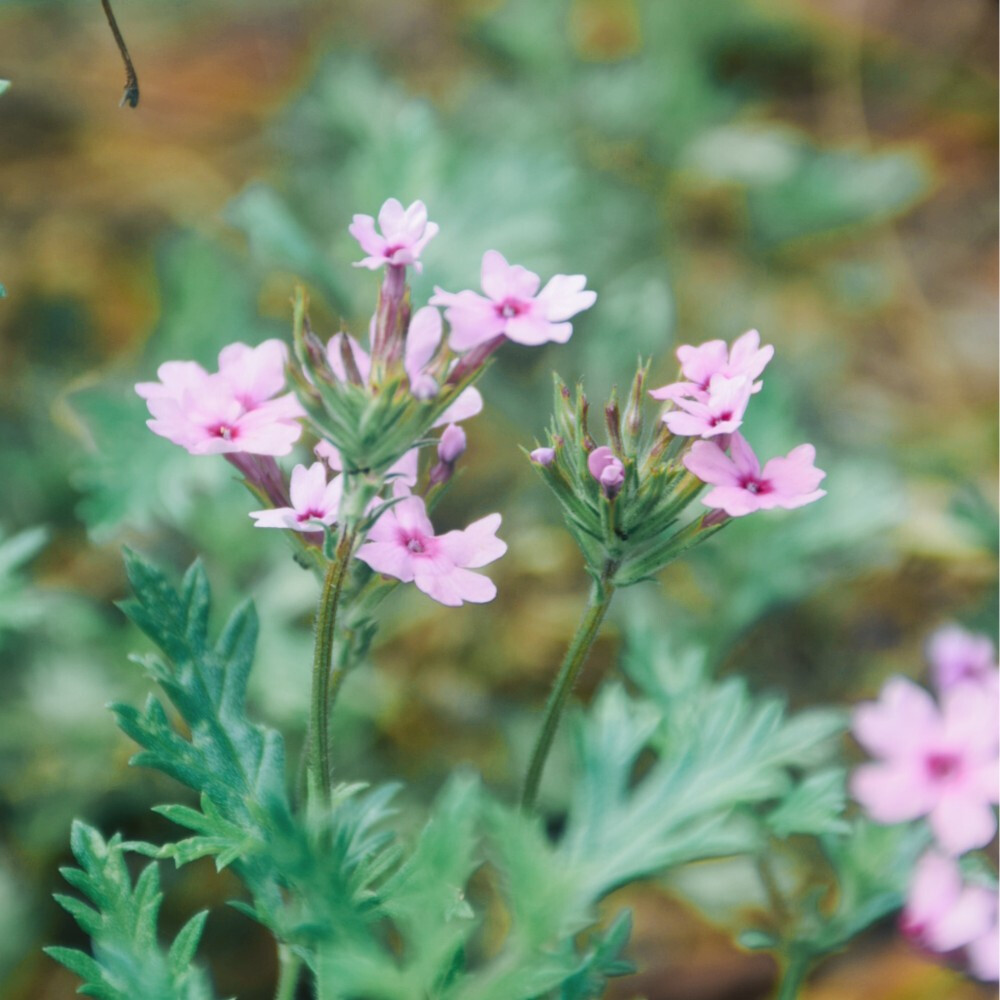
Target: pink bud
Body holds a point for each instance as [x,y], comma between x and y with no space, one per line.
[606,469]
[452,444]
[543,456]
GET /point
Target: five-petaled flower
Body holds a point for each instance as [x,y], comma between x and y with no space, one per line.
[719,411]
[232,410]
[939,762]
[945,914]
[402,544]
[405,233]
[741,486]
[315,501]
[513,306]
[746,359]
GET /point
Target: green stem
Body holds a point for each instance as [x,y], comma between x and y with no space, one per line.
[324,685]
[290,966]
[572,663]
[793,977]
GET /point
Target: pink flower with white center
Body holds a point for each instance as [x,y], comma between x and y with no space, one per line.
[405,233]
[606,469]
[939,762]
[422,341]
[402,544]
[957,655]
[721,412]
[315,502]
[229,411]
[746,358]
[741,486]
[944,914]
[513,306]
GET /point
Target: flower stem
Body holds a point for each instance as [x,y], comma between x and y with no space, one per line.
[290,965]
[576,656]
[324,685]
[793,976]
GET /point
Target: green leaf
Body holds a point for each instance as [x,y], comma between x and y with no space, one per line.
[127,959]
[814,806]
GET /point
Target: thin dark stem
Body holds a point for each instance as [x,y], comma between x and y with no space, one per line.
[576,656]
[324,685]
[131,93]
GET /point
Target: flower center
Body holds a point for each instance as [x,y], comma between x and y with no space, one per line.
[942,765]
[720,418]
[510,308]
[224,431]
[308,515]
[415,545]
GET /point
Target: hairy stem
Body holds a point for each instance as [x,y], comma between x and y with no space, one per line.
[324,685]
[290,965]
[572,663]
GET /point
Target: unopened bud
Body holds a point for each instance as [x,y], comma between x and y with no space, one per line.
[543,456]
[452,444]
[613,418]
[451,447]
[607,470]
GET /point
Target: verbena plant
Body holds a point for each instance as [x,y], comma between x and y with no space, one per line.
[670,768]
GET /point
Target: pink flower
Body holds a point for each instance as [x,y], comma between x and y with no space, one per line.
[745,359]
[229,411]
[930,761]
[944,914]
[402,544]
[543,456]
[513,306]
[741,487]
[314,501]
[405,233]
[720,412]
[607,470]
[957,655]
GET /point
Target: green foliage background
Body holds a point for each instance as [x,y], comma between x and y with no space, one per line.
[822,175]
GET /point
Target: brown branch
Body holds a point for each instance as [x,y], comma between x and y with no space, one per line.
[131,93]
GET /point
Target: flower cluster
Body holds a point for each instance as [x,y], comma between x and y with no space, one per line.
[709,402]
[370,410]
[938,758]
[622,499]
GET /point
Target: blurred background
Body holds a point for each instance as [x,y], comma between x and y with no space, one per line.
[823,170]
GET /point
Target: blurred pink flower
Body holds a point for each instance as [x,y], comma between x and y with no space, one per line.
[939,762]
[606,469]
[513,306]
[402,544]
[719,412]
[405,233]
[741,487]
[543,456]
[699,364]
[228,411]
[957,655]
[314,501]
[944,914]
